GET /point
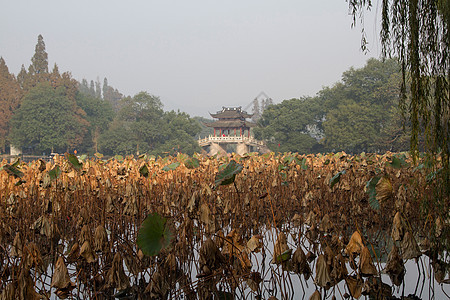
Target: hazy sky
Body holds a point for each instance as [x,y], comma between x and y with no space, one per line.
[197,56]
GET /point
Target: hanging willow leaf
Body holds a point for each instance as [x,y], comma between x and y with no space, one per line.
[154,235]
[228,173]
[171,167]
[74,162]
[371,190]
[335,179]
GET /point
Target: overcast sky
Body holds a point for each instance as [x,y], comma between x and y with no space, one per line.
[196,55]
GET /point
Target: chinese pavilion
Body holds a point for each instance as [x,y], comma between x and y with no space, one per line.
[231,122]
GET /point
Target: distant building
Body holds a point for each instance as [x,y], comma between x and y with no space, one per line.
[231,122]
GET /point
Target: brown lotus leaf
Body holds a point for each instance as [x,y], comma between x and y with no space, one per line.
[116,277]
[74,253]
[354,284]
[329,255]
[300,264]
[42,225]
[255,244]
[85,235]
[100,239]
[409,247]
[297,220]
[60,278]
[25,289]
[131,264]
[339,270]
[355,244]
[394,266]
[322,278]
[210,256]
[383,189]
[9,292]
[325,224]
[280,247]
[316,296]
[311,219]
[158,286]
[193,202]
[32,257]
[130,208]
[439,268]
[439,227]
[366,266]
[253,281]
[87,253]
[16,249]
[376,289]
[207,218]
[397,227]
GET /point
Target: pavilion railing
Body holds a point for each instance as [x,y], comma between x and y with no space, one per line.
[229,140]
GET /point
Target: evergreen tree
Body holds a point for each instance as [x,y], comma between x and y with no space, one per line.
[256,110]
[92,89]
[22,76]
[98,90]
[39,61]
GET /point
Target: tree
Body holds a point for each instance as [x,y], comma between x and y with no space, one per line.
[285,126]
[10,94]
[141,125]
[45,121]
[39,61]
[417,32]
[99,114]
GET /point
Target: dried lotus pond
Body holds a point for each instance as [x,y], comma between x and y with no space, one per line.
[252,227]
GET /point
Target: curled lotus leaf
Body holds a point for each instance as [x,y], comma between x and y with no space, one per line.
[355,245]
[323,278]
[61,279]
[354,284]
[410,248]
[366,265]
[395,267]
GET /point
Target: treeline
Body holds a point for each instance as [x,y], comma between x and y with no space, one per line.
[358,114]
[44,111]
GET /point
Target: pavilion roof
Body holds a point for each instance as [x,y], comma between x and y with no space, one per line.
[231,113]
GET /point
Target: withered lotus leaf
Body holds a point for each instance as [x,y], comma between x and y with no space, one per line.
[339,270]
[25,289]
[394,266]
[409,247]
[253,281]
[316,296]
[300,264]
[100,239]
[355,244]
[322,278]
[397,227]
[87,253]
[207,218]
[255,244]
[210,256]
[116,277]
[74,253]
[366,266]
[9,292]
[16,249]
[60,279]
[325,224]
[42,225]
[281,248]
[384,189]
[354,284]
